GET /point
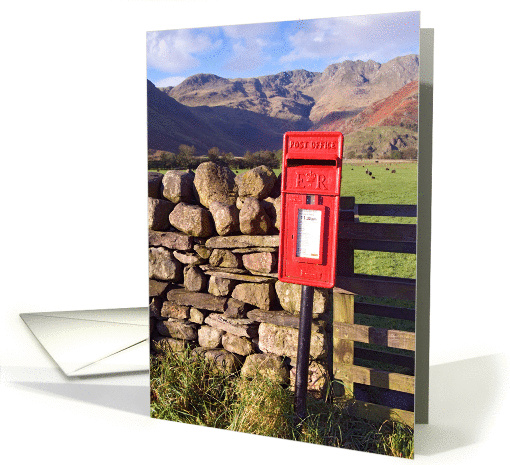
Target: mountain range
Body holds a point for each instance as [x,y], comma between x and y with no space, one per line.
[243,114]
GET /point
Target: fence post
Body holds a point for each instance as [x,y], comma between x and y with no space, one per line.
[343,306]
[343,349]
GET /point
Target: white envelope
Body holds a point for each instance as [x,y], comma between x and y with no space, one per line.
[94,342]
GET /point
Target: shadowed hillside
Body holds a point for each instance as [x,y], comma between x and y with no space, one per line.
[171,124]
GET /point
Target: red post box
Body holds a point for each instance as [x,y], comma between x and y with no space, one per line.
[311,177]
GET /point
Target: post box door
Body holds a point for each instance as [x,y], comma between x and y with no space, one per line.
[311,174]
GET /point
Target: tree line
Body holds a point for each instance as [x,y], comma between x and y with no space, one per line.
[187,158]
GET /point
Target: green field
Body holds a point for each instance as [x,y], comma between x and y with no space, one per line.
[399,188]
[387,187]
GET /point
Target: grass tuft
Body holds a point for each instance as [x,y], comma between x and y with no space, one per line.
[189,389]
[262,407]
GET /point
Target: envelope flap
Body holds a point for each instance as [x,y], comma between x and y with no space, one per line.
[134,358]
[76,343]
[134,316]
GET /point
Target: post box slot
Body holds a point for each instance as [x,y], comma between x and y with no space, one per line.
[301,162]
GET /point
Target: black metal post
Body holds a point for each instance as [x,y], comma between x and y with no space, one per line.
[305,331]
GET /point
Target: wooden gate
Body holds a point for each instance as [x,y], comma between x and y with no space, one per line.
[362,353]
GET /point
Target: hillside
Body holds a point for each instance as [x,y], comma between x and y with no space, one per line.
[236,115]
[398,109]
[170,124]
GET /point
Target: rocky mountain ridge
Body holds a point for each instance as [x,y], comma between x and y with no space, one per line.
[243,114]
[300,94]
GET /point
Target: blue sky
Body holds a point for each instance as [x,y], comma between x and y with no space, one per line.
[254,50]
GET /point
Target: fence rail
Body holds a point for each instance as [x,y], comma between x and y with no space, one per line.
[389,346]
[371,335]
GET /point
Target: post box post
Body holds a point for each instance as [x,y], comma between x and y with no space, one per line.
[305,330]
[311,177]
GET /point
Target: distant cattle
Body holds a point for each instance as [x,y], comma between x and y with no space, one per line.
[393,171]
[373,177]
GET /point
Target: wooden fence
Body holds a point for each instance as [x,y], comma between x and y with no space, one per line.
[360,350]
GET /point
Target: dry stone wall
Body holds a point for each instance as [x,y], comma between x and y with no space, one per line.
[213,259]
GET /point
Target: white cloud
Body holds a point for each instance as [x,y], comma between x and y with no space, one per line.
[173,51]
[171,81]
[246,56]
[248,43]
[356,57]
[361,20]
[378,37]
[250,31]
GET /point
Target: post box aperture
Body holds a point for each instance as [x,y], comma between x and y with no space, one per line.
[311,177]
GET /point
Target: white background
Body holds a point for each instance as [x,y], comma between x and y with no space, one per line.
[73,196]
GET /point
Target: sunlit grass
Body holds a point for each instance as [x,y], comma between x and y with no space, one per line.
[189,389]
[399,188]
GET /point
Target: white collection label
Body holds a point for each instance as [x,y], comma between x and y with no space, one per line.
[308,233]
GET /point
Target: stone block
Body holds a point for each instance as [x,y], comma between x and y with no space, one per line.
[192,220]
[178,329]
[289,296]
[210,337]
[200,300]
[253,219]
[238,326]
[281,340]
[155,307]
[158,212]
[189,258]
[233,242]
[317,377]
[163,266]
[220,286]
[221,359]
[268,365]
[261,295]
[261,262]
[224,258]
[170,240]
[157,288]
[197,316]
[202,251]
[167,344]
[282,318]
[235,309]
[195,279]
[226,218]
[215,183]
[237,345]
[155,184]
[257,182]
[177,186]
[178,312]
